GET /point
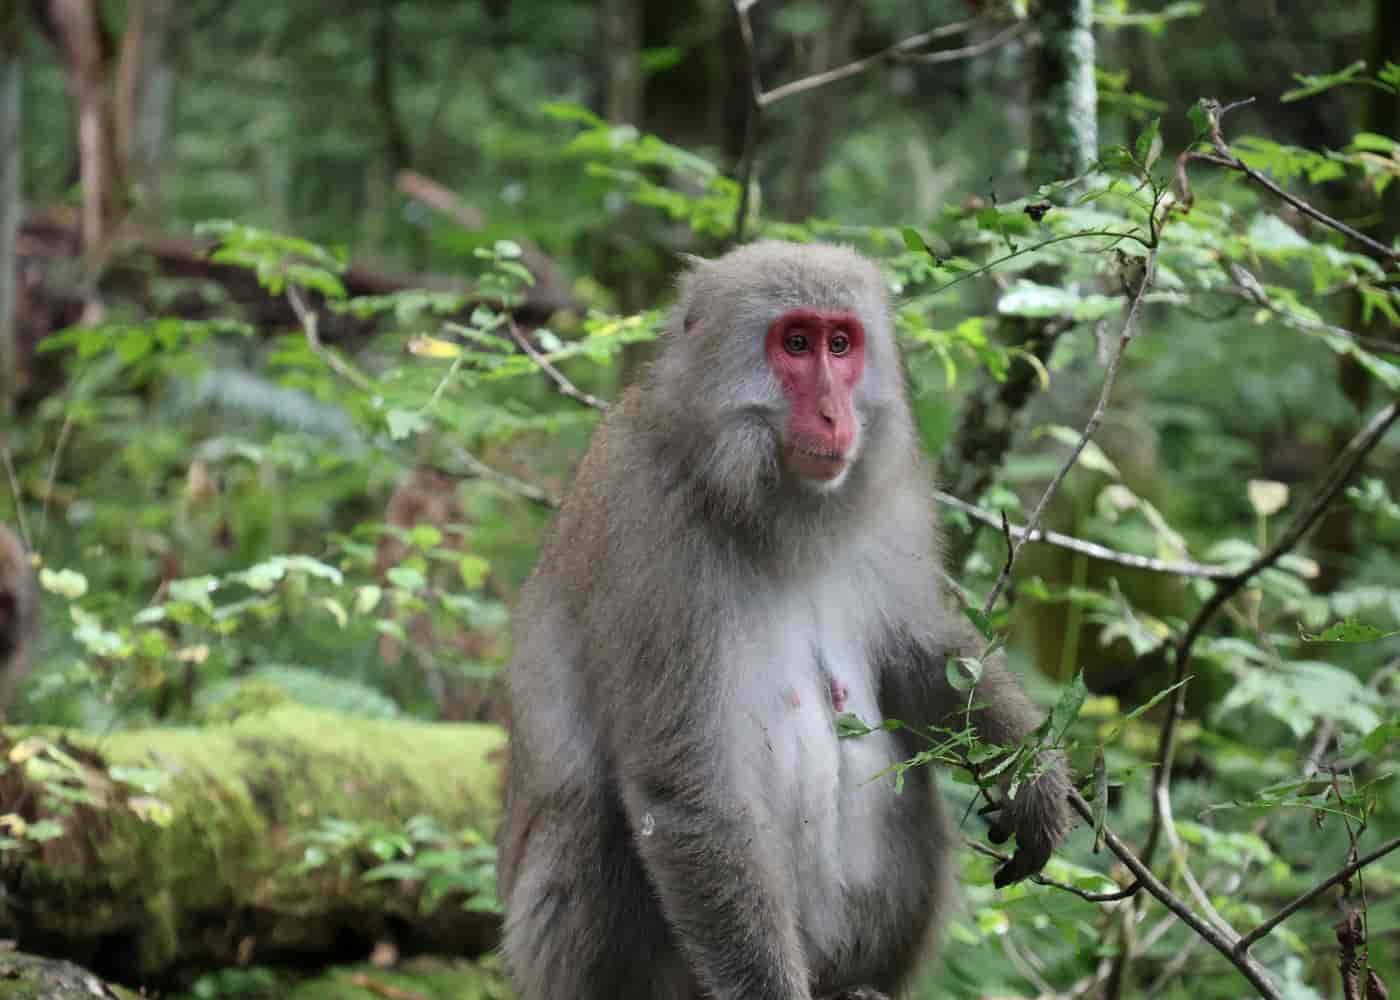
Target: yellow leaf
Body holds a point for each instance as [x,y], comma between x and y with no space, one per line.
[431,347]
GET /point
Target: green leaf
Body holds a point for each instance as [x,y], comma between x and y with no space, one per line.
[473,570]
[1346,631]
[403,423]
[980,621]
[849,724]
[1155,699]
[1066,710]
[963,672]
[1311,85]
[1142,148]
[1200,119]
[913,241]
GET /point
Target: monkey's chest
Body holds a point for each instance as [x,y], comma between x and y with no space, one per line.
[822,800]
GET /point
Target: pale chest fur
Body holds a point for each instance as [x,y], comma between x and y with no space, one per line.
[799,661]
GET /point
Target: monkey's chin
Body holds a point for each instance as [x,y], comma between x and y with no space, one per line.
[822,473]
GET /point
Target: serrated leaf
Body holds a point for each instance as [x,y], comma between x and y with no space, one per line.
[1154,700]
[963,672]
[979,621]
[1347,631]
[1067,708]
[913,241]
[849,724]
[473,570]
[403,423]
[1142,148]
[1200,119]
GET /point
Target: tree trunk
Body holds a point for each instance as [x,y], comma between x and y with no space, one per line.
[78,28]
[1063,144]
[819,118]
[1064,95]
[11,199]
[144,82]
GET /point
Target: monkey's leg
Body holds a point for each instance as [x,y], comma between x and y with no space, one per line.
[583,922]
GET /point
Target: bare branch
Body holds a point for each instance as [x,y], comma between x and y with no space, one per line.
[560,380]
[902,48]
[1092,549]
[529,491]
[308,320]
[1243,944]
[1337,476]
[968,51]
[1224,157]
[1110,377]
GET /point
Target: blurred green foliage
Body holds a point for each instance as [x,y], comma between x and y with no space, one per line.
[209,497]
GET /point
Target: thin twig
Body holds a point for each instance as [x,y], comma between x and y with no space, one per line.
[1224,157]
[1092,549]
[1243,944]
[529,491]
[903,48]
[560,380]
[308,320]
[1217,938]
[1100,408]
[1336,477]
[967,51]
[14,493]
[1094,897]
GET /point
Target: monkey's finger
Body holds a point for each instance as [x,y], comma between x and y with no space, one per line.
[998,834]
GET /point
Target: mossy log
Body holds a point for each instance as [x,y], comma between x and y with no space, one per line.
[203,866]
[29,977]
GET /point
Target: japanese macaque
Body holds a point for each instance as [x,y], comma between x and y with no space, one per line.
[19,615]
[749,552]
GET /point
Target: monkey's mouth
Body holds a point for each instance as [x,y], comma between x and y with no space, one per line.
[816,463]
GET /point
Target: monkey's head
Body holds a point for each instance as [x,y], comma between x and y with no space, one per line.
[779,371]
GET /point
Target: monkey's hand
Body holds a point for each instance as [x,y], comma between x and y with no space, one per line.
[1039,816]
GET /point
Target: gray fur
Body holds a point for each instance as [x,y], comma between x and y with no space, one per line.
[681,820]
[19,615]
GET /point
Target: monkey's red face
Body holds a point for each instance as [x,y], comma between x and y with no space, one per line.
[818,357]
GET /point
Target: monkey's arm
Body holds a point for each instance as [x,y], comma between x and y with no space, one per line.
[915,686]
[705,854]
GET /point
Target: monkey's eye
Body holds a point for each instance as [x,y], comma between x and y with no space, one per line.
[795,343]
[839,344]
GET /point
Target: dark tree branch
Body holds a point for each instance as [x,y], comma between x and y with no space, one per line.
[1243,944]
[1218,938]
[1224,157]
[1337,476]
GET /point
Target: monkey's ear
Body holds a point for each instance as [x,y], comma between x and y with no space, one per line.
[689,279]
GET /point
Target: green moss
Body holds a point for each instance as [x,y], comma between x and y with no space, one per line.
[431,979]
[242,796]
